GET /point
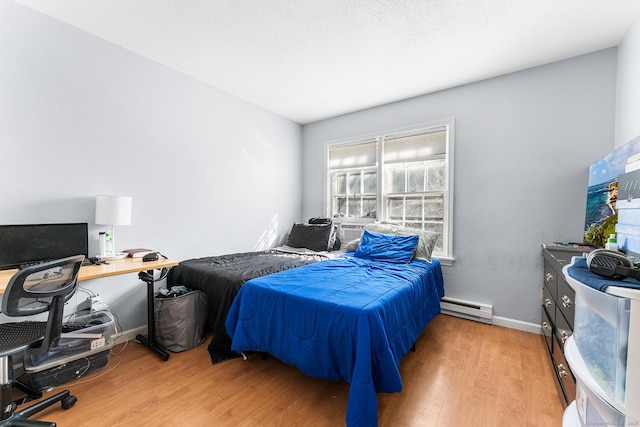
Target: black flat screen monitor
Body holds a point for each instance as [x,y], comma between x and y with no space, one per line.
[30,243]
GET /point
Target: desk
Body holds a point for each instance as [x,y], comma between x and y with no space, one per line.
[116,268]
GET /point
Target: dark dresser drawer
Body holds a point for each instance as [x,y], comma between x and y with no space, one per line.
[548,302]
[562,330]
[565,376]
[558,309]
[547,330]
[566,301]
[551,279]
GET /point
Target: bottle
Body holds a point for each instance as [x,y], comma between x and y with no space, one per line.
[612,243]
[108,244]
[103,244]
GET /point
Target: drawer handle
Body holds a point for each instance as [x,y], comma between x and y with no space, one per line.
[566,302]
[547,302]
[545,326]
[549,277]
[562,371]
[564,336]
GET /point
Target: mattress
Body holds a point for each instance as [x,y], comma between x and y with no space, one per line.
[348,319]
[220,277]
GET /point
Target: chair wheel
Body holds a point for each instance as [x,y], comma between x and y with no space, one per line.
[68,402]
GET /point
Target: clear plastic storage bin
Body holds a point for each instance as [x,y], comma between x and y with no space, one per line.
[69,370]
[601,333]
[593,411]
[81,336]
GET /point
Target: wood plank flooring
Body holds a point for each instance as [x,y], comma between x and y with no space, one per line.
[463,373]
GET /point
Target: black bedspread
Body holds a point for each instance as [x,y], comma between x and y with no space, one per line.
[220,277]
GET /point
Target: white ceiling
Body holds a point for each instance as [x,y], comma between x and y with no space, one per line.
[309,60]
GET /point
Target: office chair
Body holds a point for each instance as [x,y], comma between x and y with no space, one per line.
[35,289]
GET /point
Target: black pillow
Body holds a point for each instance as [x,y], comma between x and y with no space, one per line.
[334,242]
[320,220]
[310,236]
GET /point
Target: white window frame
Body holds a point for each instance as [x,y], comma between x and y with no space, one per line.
[446,255]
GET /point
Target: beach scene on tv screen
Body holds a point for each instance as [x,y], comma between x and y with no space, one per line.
[601,215]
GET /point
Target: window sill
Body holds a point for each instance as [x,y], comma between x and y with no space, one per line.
[445,261]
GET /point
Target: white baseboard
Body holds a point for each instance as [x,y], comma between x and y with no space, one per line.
[534,328]
[506,322]
[131,334]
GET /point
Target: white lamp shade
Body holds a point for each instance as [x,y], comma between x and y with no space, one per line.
[113,210]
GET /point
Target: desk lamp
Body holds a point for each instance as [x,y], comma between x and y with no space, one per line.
[113,210]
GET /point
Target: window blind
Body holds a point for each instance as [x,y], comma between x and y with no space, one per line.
[353,156]
[415,147]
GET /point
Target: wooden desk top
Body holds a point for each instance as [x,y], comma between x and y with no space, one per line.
[114,268]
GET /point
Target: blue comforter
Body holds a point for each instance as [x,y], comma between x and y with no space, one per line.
[346,319]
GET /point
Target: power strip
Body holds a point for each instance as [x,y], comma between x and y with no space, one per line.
[100,342]
[97,304]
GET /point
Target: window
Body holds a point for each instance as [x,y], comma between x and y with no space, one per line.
[354,177]
[404,177]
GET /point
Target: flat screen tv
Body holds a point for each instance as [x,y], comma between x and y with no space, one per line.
[601,214]
[30,243]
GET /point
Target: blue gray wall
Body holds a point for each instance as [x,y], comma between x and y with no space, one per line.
[523,144]
[628,89]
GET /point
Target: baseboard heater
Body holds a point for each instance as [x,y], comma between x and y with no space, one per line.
[467,309]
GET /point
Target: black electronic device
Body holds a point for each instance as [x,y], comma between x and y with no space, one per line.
[153,256]
[611,264]
[94,260]
[23,244]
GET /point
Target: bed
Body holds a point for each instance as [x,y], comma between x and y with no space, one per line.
[352,318]
[220,277]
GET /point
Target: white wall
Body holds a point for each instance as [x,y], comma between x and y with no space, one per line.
[209,173]
[628,90]
[523,145]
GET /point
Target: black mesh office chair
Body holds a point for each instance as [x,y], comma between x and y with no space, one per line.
[33,290]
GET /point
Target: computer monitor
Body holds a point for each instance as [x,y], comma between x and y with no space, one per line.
[28,243]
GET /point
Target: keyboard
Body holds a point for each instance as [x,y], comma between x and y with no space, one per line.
[74,326]
[30,264]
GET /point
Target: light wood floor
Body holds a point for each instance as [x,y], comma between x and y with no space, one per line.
[462,373]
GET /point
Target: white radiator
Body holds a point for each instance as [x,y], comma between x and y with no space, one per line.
[467,309]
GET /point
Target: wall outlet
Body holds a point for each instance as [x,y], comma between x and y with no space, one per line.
[96,304]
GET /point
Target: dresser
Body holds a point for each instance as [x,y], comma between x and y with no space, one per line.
[557,316]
